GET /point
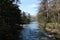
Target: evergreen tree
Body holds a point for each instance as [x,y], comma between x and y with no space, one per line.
[10,17]
[29,18]
[24,18]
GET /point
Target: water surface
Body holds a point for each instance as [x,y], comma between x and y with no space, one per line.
[33,32]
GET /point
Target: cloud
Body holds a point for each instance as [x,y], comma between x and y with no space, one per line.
[32,6]
[29,7]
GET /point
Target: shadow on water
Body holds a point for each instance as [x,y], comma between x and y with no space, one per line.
[33,32]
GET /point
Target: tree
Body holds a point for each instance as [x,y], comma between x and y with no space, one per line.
[25,18]
[43,14]
[29,18]
[10,17]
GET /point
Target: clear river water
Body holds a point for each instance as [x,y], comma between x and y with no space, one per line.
[33,32]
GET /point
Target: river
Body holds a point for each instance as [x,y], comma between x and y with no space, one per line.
[33,32]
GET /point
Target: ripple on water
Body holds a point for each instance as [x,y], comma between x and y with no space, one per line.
[32,32]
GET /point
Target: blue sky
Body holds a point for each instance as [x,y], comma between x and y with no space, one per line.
[29,6]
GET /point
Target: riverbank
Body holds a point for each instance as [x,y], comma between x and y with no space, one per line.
[52,29]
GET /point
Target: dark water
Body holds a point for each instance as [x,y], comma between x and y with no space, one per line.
[33,32]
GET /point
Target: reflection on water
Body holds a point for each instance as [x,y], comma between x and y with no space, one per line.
[33,25]
[32,32]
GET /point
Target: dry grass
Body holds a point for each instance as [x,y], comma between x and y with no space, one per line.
[51,27]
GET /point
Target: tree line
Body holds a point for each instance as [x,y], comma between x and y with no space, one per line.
[10,20]
[49,11]
[26,18]
[49,15]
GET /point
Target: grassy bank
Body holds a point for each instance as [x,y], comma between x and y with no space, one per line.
[53,28]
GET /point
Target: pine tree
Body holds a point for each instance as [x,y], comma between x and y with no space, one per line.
[10,16]
[29,18]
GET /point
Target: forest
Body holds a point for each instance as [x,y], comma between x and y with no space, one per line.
[11,19]
[49,16]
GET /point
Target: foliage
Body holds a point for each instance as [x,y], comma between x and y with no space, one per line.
[25,18]
[48,13]
[10,17]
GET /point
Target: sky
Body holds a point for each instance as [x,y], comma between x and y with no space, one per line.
[29,6]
